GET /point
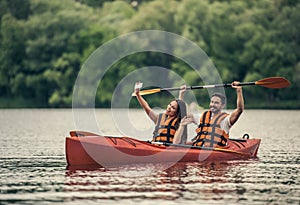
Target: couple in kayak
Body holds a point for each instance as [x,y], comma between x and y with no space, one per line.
[213,125]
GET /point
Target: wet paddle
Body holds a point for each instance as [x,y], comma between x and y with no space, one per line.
[271,82]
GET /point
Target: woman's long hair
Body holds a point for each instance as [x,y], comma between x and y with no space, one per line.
[181,113]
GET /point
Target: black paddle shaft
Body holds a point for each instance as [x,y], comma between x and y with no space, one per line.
[207,86]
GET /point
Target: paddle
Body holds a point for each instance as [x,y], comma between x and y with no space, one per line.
[271,82]
[202,148]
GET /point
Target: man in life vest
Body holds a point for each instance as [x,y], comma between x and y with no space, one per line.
[214,125]
[167,123]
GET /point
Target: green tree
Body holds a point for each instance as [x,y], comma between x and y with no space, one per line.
[11,53]
[113,14]
[154,15]
[44,43]
[20,9]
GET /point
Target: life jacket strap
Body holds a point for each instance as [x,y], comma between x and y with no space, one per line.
[214,136]
[165,129]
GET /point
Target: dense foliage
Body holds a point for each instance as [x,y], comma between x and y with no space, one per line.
[44,43]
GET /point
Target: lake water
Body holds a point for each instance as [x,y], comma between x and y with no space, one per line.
[33,165]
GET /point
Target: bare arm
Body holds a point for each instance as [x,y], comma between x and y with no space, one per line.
[178,134]
[239,103]
[185,121]
[179,131]
[182,92]
[152,115]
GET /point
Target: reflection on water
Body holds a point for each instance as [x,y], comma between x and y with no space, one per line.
[233,182]
[188,181]
[33,166]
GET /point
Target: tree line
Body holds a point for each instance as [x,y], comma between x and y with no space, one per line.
[44,43]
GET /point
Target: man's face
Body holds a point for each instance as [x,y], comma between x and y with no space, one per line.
[215,104]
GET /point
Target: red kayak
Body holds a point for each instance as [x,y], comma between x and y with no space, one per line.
[83,148]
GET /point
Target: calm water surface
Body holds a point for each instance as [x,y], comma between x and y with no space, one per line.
[33,166]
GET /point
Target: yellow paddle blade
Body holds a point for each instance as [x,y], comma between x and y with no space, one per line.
[148,92]
[273,82]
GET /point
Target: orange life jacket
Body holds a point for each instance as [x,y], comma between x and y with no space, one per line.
[209,132]
[165,129]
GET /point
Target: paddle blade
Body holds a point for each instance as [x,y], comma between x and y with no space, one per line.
[148,92]
[273,82]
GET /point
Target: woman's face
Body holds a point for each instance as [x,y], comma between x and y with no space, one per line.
[172,108]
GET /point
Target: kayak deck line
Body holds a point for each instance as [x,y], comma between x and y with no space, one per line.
[202,148]
[86,133]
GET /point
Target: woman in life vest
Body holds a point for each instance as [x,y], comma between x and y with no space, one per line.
[214,124]
[167,123]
